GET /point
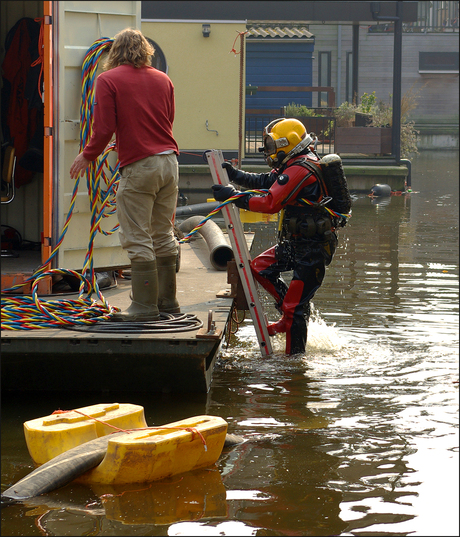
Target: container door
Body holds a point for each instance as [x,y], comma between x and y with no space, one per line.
[77,25]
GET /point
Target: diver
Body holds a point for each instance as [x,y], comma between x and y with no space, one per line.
[302,187]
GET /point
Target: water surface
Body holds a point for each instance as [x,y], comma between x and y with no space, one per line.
[357,437]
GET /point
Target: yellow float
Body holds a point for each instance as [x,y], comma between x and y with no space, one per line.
[140,455]
[52,435]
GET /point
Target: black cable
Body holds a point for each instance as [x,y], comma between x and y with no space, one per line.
[168,322]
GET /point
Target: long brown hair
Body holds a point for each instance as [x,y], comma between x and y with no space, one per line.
[129,46]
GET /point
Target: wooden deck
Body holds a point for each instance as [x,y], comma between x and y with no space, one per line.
[154,360]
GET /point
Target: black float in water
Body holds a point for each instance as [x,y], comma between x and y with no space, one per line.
[381,190]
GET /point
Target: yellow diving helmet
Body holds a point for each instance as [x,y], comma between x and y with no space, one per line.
[283,138]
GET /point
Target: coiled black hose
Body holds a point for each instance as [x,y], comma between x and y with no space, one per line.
[168,322]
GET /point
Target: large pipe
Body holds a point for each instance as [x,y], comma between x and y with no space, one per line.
[197,208]
[66,467]
[60,470]
[220,253]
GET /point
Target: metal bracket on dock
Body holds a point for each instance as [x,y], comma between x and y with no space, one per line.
[211,332]
[236,290]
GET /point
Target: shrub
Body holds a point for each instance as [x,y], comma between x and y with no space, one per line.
[299,110]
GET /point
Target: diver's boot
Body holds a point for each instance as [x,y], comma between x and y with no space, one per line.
[144,285]
[278,327]
[167,301]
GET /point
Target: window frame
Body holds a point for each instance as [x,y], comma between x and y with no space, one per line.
[425,66]
[158,59]
[324,54]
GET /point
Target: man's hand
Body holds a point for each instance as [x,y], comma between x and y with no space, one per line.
[79,166]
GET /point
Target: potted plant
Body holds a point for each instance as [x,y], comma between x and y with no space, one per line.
[363,117]
[375,136]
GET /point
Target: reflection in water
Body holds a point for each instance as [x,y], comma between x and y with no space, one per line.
[357,437]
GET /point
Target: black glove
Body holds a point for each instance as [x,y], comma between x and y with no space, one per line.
[233,173]
[222,193]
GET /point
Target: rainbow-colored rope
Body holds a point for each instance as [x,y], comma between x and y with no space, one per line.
[28,312]
[330,211]
[217,209]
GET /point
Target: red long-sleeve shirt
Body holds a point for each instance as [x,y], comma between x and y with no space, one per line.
[137,104]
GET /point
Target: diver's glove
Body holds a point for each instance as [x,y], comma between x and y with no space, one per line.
[234,174]
[222,193]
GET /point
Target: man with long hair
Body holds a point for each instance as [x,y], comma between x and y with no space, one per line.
[136,102]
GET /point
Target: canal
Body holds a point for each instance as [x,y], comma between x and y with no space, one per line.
[359,436]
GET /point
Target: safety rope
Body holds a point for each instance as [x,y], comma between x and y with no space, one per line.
[187,237]
[330,211]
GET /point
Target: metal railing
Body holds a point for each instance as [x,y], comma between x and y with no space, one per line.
[434,16]
[323,127]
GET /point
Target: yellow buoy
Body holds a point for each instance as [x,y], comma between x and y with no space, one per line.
[159,452]
[143,454]
[54,434]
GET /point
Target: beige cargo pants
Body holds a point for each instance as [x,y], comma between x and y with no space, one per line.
[146,203]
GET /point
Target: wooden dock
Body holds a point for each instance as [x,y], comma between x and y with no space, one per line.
[153,360]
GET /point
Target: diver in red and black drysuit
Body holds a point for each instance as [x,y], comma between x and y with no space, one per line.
[307,232]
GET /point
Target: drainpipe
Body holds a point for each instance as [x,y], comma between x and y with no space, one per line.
[355,56]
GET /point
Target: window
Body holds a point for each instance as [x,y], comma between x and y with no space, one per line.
[438,62]
[158,60]
[324,77]
[349,78]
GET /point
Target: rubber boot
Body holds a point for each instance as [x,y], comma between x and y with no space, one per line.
[167,301]
[293,321]
[144,284]
[278,327]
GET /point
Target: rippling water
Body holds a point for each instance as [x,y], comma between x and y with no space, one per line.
[357,437]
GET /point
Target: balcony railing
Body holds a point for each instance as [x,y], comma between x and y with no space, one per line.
[323,127]
[432,17]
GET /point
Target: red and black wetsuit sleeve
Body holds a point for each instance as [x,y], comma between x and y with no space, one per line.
[285,188]
[253,181]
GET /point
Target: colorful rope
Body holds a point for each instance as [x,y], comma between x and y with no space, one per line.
[330,211]
[29,312]
[217,209]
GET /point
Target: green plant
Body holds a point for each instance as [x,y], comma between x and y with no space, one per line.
[299,110]
[367,102]
[345,114]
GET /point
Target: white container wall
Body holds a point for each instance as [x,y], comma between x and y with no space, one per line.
[77,26]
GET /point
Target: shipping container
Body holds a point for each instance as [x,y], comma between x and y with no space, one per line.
[34,220]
